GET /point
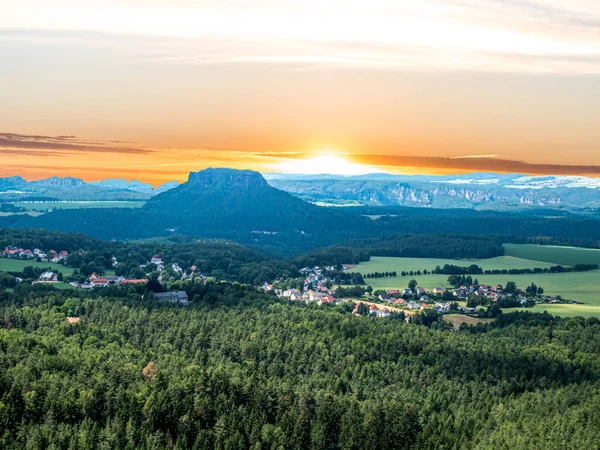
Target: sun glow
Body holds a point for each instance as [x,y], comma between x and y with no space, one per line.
[323,164]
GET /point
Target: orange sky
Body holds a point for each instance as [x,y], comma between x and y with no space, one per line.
[404,86]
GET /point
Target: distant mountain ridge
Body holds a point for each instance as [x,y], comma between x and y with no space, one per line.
[68,188]
[476,190]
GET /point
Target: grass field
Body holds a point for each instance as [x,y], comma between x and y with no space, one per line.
[44,206]
[578,286]
[17,265]
[390,264]
[567,256]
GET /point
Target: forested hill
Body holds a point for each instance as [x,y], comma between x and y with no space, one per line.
[257,374]
[217,203]
[240,206]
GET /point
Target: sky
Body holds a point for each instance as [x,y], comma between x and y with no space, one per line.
[154,89]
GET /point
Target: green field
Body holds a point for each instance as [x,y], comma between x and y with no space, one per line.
[578,286]
[567,256]
[17,265]
[45,206]
[390,264]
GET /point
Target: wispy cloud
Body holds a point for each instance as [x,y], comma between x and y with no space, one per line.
[478,164]
[13,143]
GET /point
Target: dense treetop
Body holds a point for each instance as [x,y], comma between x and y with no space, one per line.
[237,369]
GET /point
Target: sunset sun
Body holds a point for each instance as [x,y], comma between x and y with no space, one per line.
[323,164]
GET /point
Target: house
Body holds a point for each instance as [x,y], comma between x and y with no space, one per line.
[385,298]
[27,254]
[295,296]
[384,313]
[420,290]
[179,297]
[393,292]
[442,307]
[424,306]
[413,305]
[326,299]
[400,302]
[48,277]
[99,281]
[407,292]
[424,298]
[63,255]
[156,259]
[374,310]
[497,288]
[73,320]
[438,291]
[11,252]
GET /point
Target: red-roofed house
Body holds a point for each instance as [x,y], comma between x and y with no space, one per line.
[327,299]
[374,310]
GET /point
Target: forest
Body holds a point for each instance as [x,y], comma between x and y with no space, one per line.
[237,369]
[432,245]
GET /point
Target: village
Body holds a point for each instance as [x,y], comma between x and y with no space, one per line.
[318,287]
[94,280]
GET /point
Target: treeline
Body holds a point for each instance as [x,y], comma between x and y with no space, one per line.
[258,374]
[474,269]
[49,240]
[380,274]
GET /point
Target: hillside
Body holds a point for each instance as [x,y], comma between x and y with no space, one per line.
[216,203]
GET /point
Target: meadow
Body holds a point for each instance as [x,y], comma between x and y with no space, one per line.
[577,286]
[17,265]
[567,256]
[45,206]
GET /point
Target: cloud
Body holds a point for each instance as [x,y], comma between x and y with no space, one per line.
[37,145]
[479,164]
[561,36]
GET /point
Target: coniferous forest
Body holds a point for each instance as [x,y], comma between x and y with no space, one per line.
[237,369]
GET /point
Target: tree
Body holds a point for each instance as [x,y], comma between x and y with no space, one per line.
[511,287]
[412,285]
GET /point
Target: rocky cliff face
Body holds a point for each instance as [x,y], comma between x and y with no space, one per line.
[214,178]
[573,193]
